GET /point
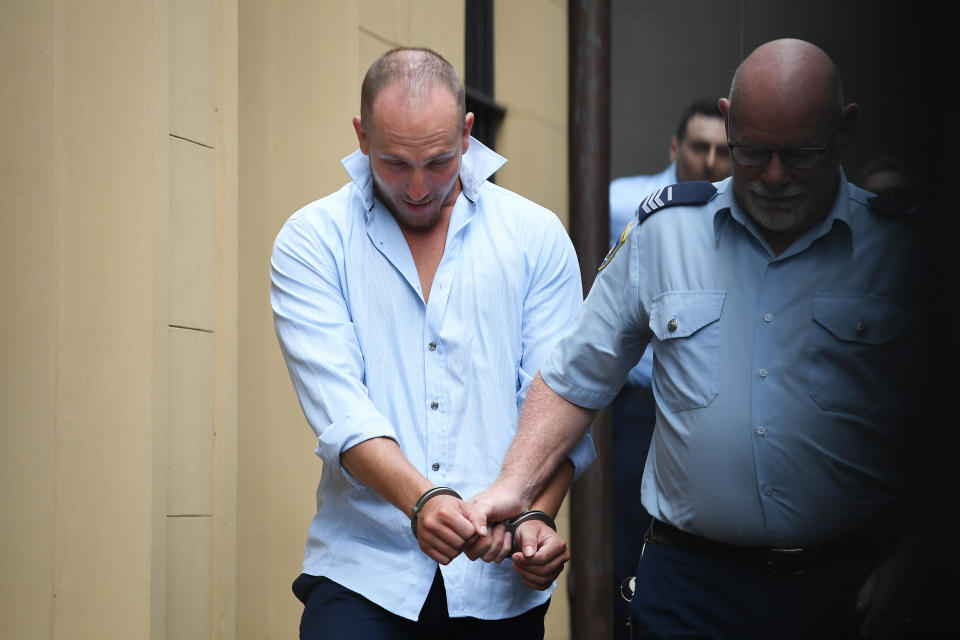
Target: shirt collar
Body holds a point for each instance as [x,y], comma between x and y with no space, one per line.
[727,207]
[476,165]
[671,173]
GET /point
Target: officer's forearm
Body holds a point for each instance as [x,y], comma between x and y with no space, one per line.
[549,428]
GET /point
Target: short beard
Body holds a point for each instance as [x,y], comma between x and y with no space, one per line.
[795,217]
[405,224]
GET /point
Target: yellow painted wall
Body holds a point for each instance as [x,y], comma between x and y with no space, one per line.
[119,269]
[530,54]
[156,474]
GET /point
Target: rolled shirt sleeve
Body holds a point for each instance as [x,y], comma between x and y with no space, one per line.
[554,297]
[320,346]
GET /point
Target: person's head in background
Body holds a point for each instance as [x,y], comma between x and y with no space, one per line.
[700,145]
[885,175]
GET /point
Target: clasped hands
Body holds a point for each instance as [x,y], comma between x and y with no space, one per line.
[448,526]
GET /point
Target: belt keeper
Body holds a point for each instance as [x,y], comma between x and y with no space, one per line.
[534,514]
[429,493]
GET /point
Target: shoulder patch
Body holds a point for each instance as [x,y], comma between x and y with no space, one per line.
[682,193]
[616,245]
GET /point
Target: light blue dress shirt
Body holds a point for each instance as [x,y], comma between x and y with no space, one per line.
[626,194]
[781,382]
[445,379]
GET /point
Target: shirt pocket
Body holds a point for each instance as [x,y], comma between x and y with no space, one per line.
[687,353]
[859,353]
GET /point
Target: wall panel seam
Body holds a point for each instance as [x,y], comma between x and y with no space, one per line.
[186,328]
[200,144]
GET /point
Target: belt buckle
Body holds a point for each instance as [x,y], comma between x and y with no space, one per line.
[786,561]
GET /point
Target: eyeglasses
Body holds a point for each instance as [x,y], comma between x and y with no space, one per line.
[797,157]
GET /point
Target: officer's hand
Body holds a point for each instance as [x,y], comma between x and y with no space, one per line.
[543,552]
[882,600]
[446,525]
[498,502]
[493,547]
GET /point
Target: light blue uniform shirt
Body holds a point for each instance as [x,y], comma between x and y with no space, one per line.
[626,194]
[445,380]
[781,382]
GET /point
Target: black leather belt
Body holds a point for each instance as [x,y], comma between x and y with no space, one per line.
[779,560]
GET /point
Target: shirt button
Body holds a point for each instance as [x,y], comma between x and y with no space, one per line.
[435,466]
[768,491]
[672,325]
[434,405]
[761,431]
[432,346]
[763,373]
[861,330]
[768,317]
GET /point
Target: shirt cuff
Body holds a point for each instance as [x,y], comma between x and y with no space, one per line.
[578,395]
[582,454]
[347,433]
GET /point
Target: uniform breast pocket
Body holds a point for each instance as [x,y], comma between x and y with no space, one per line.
[860,353]
[687,353]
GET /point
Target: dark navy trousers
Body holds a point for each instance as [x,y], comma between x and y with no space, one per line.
[333,612]
[684,593]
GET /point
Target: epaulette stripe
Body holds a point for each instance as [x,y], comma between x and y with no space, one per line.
[684,193]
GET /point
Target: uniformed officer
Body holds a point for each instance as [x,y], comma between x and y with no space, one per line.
[779,307]
[698,151]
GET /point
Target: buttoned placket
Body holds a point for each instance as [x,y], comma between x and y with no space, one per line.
[436,378]
[764,347]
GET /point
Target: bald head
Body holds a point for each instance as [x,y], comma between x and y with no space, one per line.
[789,129]
[795,77]
[417,71]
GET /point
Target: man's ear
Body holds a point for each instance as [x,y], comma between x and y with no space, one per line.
[848,127]
[465,134]
[361,135]
[674,148]
[724,106]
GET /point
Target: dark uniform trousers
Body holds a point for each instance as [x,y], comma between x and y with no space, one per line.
[691,592]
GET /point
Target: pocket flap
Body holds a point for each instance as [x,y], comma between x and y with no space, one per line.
[859,318]
[680,314]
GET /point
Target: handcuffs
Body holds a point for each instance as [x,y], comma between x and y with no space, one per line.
[512,523]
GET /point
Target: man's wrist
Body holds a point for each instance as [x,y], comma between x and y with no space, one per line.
[427,495]
[534,514]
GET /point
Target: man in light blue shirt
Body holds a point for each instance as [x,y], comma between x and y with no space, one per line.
[698,151]
[781,306]
[413,307]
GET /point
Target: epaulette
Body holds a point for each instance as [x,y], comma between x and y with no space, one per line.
[891,207]
[698,192]
[682,193]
